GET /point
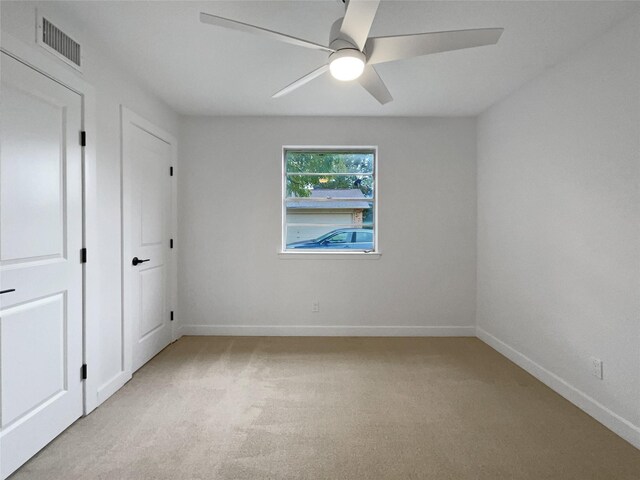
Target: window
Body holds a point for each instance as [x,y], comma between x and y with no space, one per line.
[329,200]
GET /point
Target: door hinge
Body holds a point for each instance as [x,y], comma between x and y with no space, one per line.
[171,171]
[83,138]
[171,243]
[83,371]
[83,255]
[172,315]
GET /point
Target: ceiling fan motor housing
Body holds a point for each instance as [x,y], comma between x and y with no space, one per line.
[336,40]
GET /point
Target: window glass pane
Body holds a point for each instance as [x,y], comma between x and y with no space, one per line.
[328,237]
[354,214]
[333,186]
[328,162]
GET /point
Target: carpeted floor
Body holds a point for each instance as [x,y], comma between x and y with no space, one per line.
[334,408]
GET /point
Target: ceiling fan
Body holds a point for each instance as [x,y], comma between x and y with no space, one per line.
[352,54]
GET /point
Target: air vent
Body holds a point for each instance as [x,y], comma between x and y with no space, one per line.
[59,43]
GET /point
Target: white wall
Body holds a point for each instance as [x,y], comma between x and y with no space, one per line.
[113,87]
[230,273]
[558,227]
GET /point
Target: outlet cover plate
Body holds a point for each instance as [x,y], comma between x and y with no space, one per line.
[596,368]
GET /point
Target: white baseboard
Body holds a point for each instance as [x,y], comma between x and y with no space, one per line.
[611,420]
[327,331]
[112,386]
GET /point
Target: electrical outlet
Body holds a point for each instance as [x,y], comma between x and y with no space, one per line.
[315,306]
[596,368]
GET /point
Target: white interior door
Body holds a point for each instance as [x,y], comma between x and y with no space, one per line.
[40,269]
[147,217]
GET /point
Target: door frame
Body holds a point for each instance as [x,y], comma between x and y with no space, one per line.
[33,57]
[130,120]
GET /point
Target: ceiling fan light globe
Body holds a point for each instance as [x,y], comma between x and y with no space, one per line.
[347,64]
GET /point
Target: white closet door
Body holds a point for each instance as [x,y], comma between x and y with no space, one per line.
[40,267]
[147,204]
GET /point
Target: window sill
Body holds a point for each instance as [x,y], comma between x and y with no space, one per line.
[329,255]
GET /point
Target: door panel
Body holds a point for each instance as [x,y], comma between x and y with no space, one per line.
[33,227]
[153,171]
[34,326]
[147,226]
[152,300]
[40,241]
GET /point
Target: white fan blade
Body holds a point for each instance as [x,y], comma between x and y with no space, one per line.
[373,84]
[388,49]
[245,27]
[357,21]
[301,81]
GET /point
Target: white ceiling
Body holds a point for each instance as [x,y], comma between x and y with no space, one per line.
[204,70]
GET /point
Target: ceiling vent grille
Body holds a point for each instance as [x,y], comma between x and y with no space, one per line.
[59,43]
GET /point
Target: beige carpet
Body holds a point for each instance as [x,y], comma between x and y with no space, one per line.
[334,408]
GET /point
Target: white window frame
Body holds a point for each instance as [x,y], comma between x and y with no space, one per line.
[300,253]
